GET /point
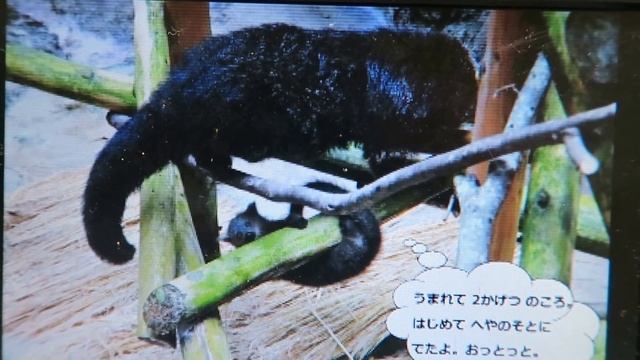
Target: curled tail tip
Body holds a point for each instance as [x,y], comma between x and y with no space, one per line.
[114,252]
[105,236]
[120,256]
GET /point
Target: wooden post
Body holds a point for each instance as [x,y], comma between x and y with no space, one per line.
[496,96]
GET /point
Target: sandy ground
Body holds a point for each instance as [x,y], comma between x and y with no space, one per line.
[46,133]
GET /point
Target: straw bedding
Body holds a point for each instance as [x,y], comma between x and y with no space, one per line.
[59,298]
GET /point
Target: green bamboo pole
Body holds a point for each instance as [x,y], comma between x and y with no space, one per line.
[556,22]
[192,294]
[187,247]
[157,251]
[206,339]
[576,100]
[62,77]
[549,226]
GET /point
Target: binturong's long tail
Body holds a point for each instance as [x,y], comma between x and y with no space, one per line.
[129,157]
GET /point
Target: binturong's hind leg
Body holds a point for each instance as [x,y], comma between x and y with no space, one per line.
[198,189]
[360,244]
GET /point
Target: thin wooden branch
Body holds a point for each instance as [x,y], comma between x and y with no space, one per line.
[443,164]
[591,238]
[578,152]
[478,208]
[62,77]
[505,225]
[483,204]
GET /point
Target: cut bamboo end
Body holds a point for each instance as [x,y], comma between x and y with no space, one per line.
[164,309]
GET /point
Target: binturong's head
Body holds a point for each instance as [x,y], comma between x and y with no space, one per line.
[420,94]
[246,226]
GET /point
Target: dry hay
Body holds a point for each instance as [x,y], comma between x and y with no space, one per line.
[59,299]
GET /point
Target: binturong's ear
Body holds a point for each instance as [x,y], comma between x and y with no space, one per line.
[251,209]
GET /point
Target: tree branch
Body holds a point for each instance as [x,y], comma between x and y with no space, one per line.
[443,164]
[480,210]
[578,152]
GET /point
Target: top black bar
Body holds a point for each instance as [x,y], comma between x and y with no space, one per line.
[486,4]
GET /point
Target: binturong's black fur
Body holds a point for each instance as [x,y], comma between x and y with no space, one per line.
[279,90]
